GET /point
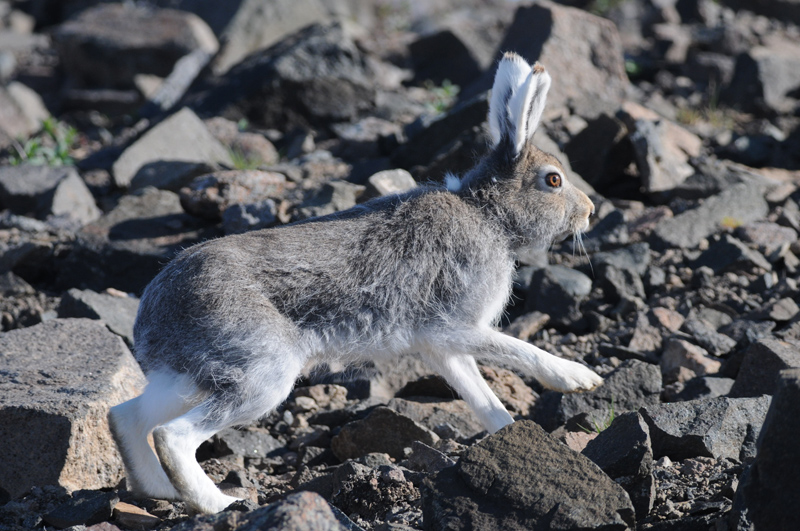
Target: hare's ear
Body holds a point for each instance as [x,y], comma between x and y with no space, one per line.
[518,98]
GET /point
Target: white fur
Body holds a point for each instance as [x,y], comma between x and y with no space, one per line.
[522,111]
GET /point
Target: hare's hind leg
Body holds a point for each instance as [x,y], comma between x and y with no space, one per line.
[177,440]
[461,372]
[167,396]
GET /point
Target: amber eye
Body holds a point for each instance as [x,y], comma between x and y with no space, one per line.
[553,179]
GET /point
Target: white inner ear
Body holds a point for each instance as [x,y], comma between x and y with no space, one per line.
[518,108]
[537,100]
[512,73]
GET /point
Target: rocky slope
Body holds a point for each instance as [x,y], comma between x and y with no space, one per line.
[131,131]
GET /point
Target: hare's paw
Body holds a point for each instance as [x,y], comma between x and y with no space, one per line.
[569,377]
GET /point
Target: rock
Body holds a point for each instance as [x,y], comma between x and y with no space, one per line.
[682,354]
[611,231]
[610,151]
[249,148]
[527,325]
[369,493]
[253,25]
[713,427]
[558,291]
[763,361]
[298,511]
[22,111]
[707,337]
[182,141]
[210,195]
[634,257]
[450,419]
[620,284]
[766,78]
[545,32]
[632,385]
[703,387]
[132,517]
[334,196]
[240,218]
[431,134]
[109,44]
[85,507]
[313,78]
[165,94]
[781,311]
[624,452]
[768,489]
[461,47]
[57,381]
[669,319]
[521,478]
[367,138]
[729,254]
[126,247]
[427,459]
[390,182]
[251,442]
[662,148]
[44,191]
[116,310]
[383,430]
[771,239]
[739,204]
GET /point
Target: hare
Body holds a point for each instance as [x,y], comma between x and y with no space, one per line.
[225,328]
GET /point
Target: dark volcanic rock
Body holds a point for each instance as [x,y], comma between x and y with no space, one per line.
[86,507]
[624,452]
[739,204]
[312,78]
[127,247]
[110,44]
[769,490]
[729,254]
[766,79]
[118,311]
[714,427]
[383,430]
[57,381]
[558,291]
[521,478]
[633,385]
[763,361]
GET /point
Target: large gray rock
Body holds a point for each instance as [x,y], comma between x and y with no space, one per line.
[57,381]
[729,254]
[210,195]
[632,385]
[713,427]
[769,490]
[558,291]
[383,430]
[110,44]
[42,191]
[738,204]
[126,247]
[766,78]
[521,478]
[21,113]
[116,310]
[315,77]
[182,140]
[545,32]
[763,361]
[452,419]
[625,453]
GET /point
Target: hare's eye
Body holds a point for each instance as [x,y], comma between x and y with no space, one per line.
[553,179]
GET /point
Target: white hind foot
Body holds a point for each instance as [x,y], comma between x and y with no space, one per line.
[166,396]
[568,376]
[176,443]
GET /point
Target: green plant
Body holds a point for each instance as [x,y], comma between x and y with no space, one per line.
[51,146]
[442,97]
[243,161]
[601,424]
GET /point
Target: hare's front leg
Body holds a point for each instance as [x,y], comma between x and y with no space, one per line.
[552,372]
[461,372]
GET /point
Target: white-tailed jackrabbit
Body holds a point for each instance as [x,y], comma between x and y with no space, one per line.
[225,329]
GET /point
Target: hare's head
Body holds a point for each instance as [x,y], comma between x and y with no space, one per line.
[526,188]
